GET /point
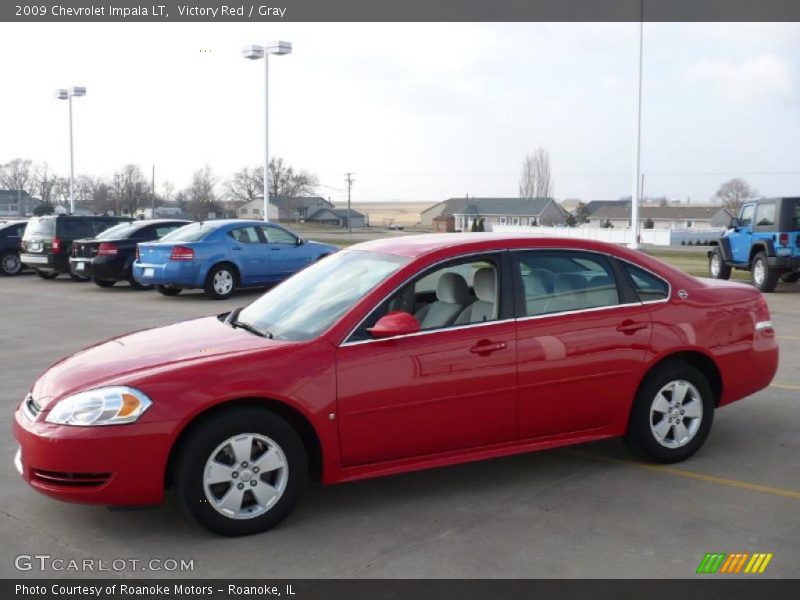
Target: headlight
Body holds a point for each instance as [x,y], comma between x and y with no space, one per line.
[103,406]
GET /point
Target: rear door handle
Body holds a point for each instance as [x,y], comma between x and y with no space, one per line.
[486,347]
[274,249]
[632,326]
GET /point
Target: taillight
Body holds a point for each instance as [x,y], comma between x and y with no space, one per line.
[107,249]
[182,253]
[783,239]
[56,246]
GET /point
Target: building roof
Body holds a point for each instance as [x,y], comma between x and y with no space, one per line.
[530,207]
[693,213]
[594,205]
[343,213]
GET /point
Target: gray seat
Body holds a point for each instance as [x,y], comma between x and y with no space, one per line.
[452,295]
[568,292]
[538,291]
[485,307]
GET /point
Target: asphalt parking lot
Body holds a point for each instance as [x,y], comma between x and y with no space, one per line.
[587,511]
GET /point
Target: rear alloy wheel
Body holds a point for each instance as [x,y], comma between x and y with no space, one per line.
[672,414]
[104,283]
[241,472]
[764,278]
[167,290]
[220,282]
[717,267]
[46,274]
[10,263]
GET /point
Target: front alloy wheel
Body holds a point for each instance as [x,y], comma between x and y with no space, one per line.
[717,267]
[241,471]
[672,413]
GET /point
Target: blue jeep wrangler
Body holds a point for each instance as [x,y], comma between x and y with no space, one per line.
[765,240]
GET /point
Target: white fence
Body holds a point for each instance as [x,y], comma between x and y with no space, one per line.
[656,237]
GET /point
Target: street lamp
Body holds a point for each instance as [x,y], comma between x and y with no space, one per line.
[67,94]
[254,52]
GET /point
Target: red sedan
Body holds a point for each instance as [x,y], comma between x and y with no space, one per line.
[392,356]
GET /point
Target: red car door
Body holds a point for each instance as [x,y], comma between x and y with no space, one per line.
[444,389]
[582,339]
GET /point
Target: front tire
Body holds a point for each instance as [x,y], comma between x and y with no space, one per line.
[166,290]
[672,413]
[717,267]
[220,282]
[10,263]
[241,472]
[764,278]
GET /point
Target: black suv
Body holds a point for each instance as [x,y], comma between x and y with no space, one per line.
[10,245]
[47,242]
[107,258]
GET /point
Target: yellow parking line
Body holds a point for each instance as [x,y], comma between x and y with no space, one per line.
[744,485]
[785,386]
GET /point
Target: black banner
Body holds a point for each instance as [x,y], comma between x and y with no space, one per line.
[401,10]
[710,588]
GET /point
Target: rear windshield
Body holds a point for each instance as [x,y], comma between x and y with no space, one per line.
[41,226]
[118,232]
[190,233]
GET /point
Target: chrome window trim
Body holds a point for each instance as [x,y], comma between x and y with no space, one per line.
[348,342]
[579,311]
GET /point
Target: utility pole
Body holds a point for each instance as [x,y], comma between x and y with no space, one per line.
[349,180]
[153,196]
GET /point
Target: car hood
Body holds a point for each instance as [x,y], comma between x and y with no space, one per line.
[131,356]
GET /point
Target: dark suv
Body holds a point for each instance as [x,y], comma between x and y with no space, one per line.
[10,245]
[765,240]
[47,243]
[107,258]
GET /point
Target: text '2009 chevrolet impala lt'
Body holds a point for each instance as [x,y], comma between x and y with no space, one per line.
[392,356]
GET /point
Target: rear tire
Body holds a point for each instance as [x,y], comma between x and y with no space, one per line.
[10,263]
[241,472]
[791,277]
[764,278]
[717,267]
[167,290]
[220,282]
[672,413]
[46,274]
[103,283]
[140,286]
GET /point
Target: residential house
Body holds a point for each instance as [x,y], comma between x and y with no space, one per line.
[663,217]
[338,217]
[493,211]
[17,203]
[255,210]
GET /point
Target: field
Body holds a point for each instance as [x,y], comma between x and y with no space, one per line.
[383,213]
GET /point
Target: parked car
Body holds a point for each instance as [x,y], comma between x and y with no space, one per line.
[10,246]
[765,240]
[47,242]
[108,257]
[220,256]
[396,355]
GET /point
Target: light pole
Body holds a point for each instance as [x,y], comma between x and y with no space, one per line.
[254,53]
[67,94]
[637,146]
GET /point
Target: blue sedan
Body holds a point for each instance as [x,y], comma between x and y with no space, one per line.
[220,256]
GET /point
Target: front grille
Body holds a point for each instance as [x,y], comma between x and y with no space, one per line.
[62,479]
[31,407]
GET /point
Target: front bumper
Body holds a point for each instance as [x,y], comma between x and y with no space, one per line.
[116,465]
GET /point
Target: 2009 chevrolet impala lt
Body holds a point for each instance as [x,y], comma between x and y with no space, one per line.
[396,355]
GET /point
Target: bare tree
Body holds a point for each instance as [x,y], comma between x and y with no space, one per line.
[167,189]
[733,193]
[536,180]
[245,185]
[200,196]
[18,174]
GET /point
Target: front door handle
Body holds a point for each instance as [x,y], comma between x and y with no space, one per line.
[631,326]
[274,249]
[485,347]
[236,248]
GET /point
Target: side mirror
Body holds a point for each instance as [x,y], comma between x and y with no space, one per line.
[397,322]
[734,223]
[300,241]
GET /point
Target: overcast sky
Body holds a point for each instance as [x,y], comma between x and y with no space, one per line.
[419,112]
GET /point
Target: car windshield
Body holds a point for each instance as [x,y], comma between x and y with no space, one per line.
[44,226]
[191,232]
[117,232]
[307,304]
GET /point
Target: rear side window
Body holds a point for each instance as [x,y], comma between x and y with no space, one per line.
[118,232]
[73,229]
[765,215]
[565,281]
[245,235]
[649,287]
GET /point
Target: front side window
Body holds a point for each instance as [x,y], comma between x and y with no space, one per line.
[460,293]
[311,301]
[765,215]
[747,215]
[276,235]
[563,281]
[648,287]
